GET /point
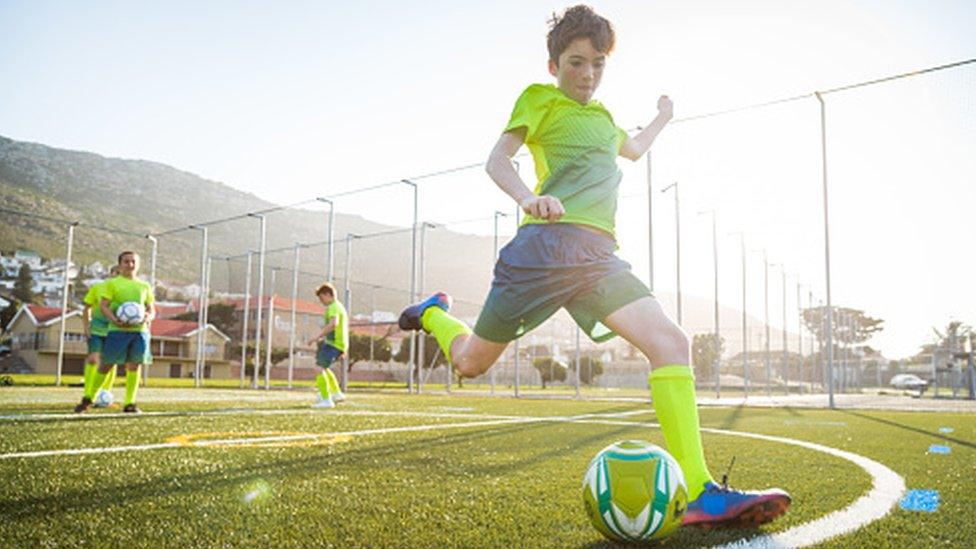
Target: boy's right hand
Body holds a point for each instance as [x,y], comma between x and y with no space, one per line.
[543,207]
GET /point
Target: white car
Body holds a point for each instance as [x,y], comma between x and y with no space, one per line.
[909,382]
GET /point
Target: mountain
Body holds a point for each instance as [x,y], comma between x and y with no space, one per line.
[144,197]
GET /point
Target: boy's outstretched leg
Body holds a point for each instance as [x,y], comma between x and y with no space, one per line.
[334,390]
[470,354]
[672,383]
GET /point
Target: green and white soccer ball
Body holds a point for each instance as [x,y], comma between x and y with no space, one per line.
[130,312]
[635,491]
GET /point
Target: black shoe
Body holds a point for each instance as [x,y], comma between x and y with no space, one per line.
[84,405]
[410,317]
[131,409]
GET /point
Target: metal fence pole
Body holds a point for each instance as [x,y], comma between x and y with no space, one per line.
[348,299]
[413,285]
[422,339]
[517,345]
[294,318]
[65,289]
[830,309]
[260,299]
[205,295]
[198,368]
[269,343]
[246,317]
[786,352]
[576,381]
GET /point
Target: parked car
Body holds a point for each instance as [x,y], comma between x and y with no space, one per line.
[909,382]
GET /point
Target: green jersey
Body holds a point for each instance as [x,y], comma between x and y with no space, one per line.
[575,150]
[99,324]
[339,336]
[121,290]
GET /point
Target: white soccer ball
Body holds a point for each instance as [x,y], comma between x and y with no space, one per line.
[104,398]
[130,313]
[635,491]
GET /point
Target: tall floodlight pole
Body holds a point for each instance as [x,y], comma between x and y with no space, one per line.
[247,315]
[413,282]
[677,242]
[330,249]
[269,344]
[347,294]
[650,225]
[65,289]
[830,309]
[294,319]
[799,331]
[260,299]
[717,340]
[494,258]
[206,318]
[769,367]
[745,327]
[198,368]
[786,352]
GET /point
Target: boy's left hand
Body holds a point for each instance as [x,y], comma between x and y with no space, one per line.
[665,108]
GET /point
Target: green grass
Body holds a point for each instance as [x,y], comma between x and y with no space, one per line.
[479,486]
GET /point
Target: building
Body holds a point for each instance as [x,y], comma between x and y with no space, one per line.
[29,257]
[34,332]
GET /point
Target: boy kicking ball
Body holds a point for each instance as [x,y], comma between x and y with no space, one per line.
[334,339]
[563,256]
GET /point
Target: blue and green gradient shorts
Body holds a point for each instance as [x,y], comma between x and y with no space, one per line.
[547,267]
[126,348]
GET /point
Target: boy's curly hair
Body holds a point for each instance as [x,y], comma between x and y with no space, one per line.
[579,22]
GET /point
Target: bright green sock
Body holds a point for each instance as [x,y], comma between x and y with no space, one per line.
[131,385]
[89,376]
[109,379]
[97,379]
[323,383]
[673,392]
[444,327]
[330,377]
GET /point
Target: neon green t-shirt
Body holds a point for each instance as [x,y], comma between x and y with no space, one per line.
[575,150]
[99,324]
[121,290]
[339,336]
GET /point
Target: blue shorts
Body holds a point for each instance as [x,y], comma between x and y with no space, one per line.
[327,355]
[548,267]
[96,343]
[126,348]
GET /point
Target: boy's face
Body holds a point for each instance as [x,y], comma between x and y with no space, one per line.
[129,265]
[579,70]
[326,299]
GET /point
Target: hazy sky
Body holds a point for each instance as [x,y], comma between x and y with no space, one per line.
[293,100]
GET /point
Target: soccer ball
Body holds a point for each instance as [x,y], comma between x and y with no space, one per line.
[635,491]
[104,398]
[130,313]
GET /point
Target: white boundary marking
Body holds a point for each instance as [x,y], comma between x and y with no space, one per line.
[887,486]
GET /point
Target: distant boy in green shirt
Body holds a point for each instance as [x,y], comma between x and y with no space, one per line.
[125,343]
[563,257]
[334,339]
[96,329]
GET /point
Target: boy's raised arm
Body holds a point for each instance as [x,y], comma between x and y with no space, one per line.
[502,172]
[635,147]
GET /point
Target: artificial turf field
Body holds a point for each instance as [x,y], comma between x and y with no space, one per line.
[388,469]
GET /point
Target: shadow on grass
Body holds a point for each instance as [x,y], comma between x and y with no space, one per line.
[909,428]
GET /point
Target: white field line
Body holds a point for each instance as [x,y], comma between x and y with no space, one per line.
[887,486]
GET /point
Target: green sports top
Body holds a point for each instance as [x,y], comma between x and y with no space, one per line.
[99,324]
[339,336]
[121,290]
[575,150]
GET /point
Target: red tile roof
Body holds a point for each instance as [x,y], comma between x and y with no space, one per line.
[164,327]
[169,311]
[43,314]
[280,303]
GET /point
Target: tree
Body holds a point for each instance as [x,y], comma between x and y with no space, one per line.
[8,312]
[359,348]
[704,355]
[589,368]
[860,328]
[431,350]
[549,369]
[221,315]
[24,285]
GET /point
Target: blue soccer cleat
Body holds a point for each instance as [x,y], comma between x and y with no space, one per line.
[722,507]
[410,317]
